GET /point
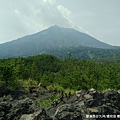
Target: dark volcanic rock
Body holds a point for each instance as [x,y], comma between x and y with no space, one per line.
[91,102]
[38,115]
[22,109]
[69,112]
[88,103]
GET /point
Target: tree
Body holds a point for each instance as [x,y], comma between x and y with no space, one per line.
[6,73]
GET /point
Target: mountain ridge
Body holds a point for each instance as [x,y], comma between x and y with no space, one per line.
[45,40]
[51,30]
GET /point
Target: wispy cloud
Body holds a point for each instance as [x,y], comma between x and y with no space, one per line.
[67,14]
[50,1]
[22,18]
[64,11]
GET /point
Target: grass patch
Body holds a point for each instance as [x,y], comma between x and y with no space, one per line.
[47,102]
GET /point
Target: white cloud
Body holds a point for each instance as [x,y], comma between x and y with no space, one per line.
[22,18]
[64,11]
[66,14]
[17,12]
[52,2]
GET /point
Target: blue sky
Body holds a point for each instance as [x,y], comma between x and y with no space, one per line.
[98,18]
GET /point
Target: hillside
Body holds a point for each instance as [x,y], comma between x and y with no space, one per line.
[51,83]
[67,73]
[47,40]
[82,52]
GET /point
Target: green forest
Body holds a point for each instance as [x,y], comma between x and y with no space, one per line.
[70,73]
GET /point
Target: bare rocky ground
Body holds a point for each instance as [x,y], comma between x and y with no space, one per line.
[19,105]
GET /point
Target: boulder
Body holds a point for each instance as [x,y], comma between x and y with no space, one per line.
[91,102]
[68,112]
[4,109]
[38,115]
[21,109]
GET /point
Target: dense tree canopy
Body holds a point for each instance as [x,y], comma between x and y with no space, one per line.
[69,73]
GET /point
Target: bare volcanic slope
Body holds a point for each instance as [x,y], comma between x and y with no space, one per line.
[53,37]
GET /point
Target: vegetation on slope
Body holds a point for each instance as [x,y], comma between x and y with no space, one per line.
[83,52]
[70,74]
